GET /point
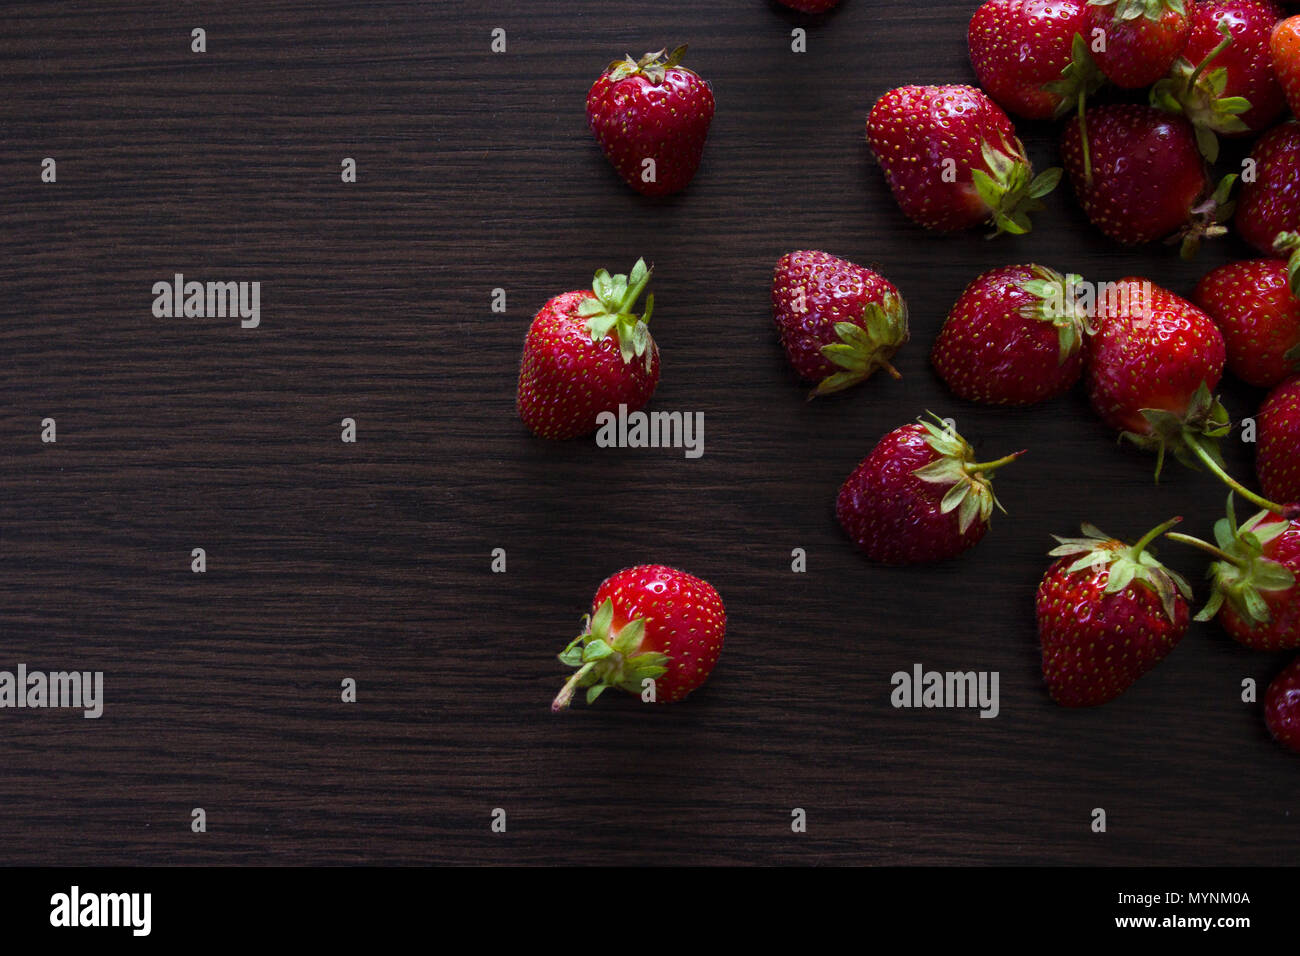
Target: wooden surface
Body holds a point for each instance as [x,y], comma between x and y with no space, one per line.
[371,560]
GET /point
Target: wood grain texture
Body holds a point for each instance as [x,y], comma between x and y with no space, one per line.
[371,561]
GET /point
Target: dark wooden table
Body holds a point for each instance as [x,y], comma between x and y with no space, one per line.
[371,560]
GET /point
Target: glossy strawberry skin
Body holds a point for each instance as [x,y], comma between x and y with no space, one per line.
[634,119]
[892,515]
[1147,172]
[1018,46]
[988,351]
[1284,54]
[1138,361]
[566,381]
[685,620]
[1282,630]
[1247,60]
[1282,707]
[1253,307]
[914,130]
[1277,452]
[1096,645]
[1270,204]
[1139,51]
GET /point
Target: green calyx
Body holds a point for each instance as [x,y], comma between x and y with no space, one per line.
[1133,9]
[611,312]
[1242,572]
[862,349]
[1080,78]
[1196,92]
[1191,438]
[1125,564]
[605,658]
[653,66]
[1057,305]
[1288,244]
[1208,219]
[970,487]
[1010,189]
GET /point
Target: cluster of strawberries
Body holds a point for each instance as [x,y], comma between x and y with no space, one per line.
[1150,360]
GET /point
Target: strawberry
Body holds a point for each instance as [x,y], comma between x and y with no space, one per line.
[1148,180]
[953,161]
[586,353]
[1277,452]
[1138,40]
[651,117]
[837,321]
[1284,52]
[1269,202]
[1107,614]
[1013,338]
[1254,590]
[810,6]
[1282,707]
[1153,361]
[1224,80]
[1029,57]
[647,623]
[1259,317]
[919,496]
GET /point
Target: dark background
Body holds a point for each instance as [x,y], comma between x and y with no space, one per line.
[371,561]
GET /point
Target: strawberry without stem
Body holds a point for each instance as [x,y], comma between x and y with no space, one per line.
[647,623]
[651,118]
[837,321]
[919,496]
[1142,38]
[1269,202]
[952,159]
[1282,707]
[1259,316]
[587,352]
[1013,338]
[1277,453]
[1107,614]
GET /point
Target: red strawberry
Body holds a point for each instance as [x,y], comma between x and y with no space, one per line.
[1259,317]
[1139,39]
[1282,707]
[1148,179]
[1107,614]
[1224,80]
[1153,361]
[1284,51]
[1254,594]
[587,353]
[1277,452]
[651,117]
[838,321]
[647,623]
[952,159]
[1269,202]
[1013,338]
[919,496]
[810,6]
[1029,57]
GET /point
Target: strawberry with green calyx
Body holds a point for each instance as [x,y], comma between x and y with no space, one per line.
[1255,594]
[1199,96]
[1107,613]
[1142,38]
[649,623]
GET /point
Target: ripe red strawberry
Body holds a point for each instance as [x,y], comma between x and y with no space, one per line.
[1107,614]
[1153,361]
[810,6]
[1142,38]
[919,496]
[1269,202]
[587,353]
[953,161]
[837,321]
[1013,338]
[1277,450]
[1026,55]
[1284,51]
[1282,707]
[1259,317]
[651,117]
[1255,593]
[1148,180]
[647,623]
[1224,80]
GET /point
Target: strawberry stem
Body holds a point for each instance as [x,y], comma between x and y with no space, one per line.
[1206,547]
[1223,45]
[565,695]
[995,465]
[1151,535]
[1290,512]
